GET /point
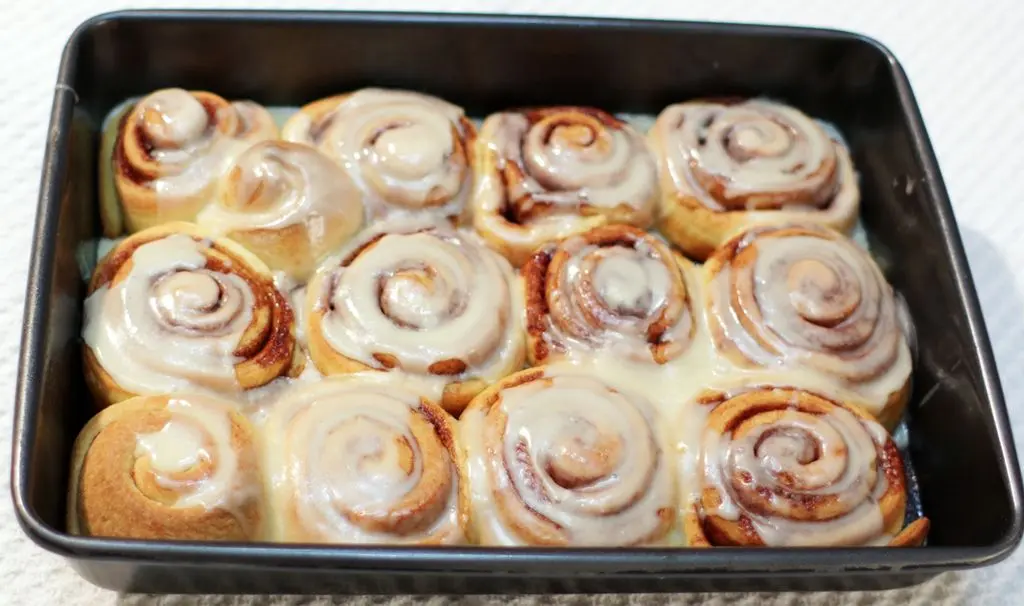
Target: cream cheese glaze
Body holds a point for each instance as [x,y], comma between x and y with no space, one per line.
[422,293]
[360,459]
[405,150]
[183,136]
[275,185]
[769,473]
[614,288]
[755,155]
[564,459]
[804,297]
[548,173]
[574,157]
[171,324]
[279,185]
[197,434]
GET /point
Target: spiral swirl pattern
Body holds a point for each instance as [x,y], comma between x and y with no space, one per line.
[562,459]
[781,466]
[421,297]
[170,309]
[288,203]
[553,172]
[613,287]
[806,296]
[180,467]
[755,155]
[172,147]
[365,458]
[407,151]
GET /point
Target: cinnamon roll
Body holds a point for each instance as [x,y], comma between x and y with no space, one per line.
[171,309]
[288,203]
[729,165]
[364,458]
[549,173]
[182,467]
[806,298]
[407,152]
[783,467]
[417,296]
[167,153]
[557,457]
[614,287]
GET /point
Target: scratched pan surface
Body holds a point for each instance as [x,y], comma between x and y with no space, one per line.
[965,478]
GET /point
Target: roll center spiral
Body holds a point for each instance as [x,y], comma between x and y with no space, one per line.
[171,462]
[411,150]
[262,182]
[173,117]
[195,300]
[757,138]
[800,451]
[624,284]
[820,293]
[788,444]
[379,458]
[583,455]
[416,298]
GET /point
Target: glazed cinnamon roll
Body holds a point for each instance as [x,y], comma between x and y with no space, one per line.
[288,203]
[171,309]
[560,458]
[408,152]
[167,152]
[167,467]
[783,467]
[806,298]
[420,297]
[614,288]
[545,174]
[364,458]
[729,165]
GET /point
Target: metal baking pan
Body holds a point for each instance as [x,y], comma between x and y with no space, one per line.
[959,436]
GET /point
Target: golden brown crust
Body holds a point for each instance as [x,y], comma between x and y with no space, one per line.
[415,451]
[803,296]
[320,124]
[498,346]
[113,492]
[516,203]
[288,203]
[132,204]
[572,464]
[697,214]
[267,347]
[733,415]
[455,397]
[562,314]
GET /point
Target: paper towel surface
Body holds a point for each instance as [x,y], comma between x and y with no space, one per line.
[964,59]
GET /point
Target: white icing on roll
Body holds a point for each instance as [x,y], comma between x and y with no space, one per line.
[566,460]
[406,150]
[572,157]
[550,173]
[806,297]
[171,323]
[274,186]
[798,457]
[617,288]
[755,155]
[198,434]
[192,149]
[277,184]
[356,459]
[424,294]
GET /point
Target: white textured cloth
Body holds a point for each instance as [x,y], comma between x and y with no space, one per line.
[964,61]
